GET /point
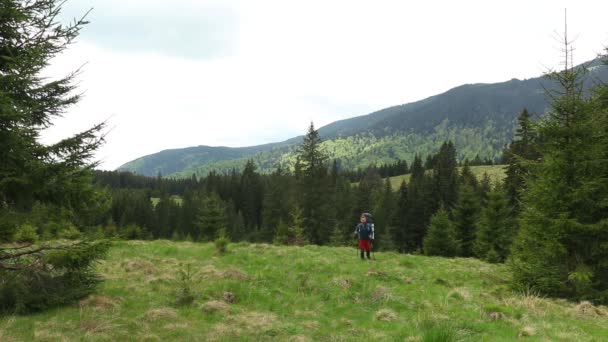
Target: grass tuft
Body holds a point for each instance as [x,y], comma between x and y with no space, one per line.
[386,315]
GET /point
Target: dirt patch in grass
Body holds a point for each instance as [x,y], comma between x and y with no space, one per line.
[44,335]
[160,313]
[138,265]
[586,308]
[495,315]
[343,283]
[382,294]
[100,302]
[209,271]
[175,326]
[527,332]
[385,315]
[94,326]
[234,274]
[229,297]
[311,325]
[215,306]
[255,321]
[376,273]
[223,332]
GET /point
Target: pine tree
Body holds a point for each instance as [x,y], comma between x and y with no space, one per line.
[496,228]
[370,183]
[162,222]
[465,215]
[251,196]
[343,204]
[398,224]
[337,237]
[562,245]
[521,149]
[446,175]
[442,238]
[276,203]
[292,233]
[420,207]
[467,177]
[484,188]
[56,175]
[383,211]
[313,182]
[211,218]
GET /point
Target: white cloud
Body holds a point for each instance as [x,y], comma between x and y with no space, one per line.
[292,62]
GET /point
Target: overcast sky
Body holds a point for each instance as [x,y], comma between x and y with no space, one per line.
[171,74]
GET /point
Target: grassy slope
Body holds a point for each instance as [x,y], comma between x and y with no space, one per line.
[304,294]
[496,173]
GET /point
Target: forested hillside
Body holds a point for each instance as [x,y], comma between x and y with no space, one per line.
[478,118]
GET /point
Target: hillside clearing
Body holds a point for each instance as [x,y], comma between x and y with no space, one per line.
[262,292]
[495,172]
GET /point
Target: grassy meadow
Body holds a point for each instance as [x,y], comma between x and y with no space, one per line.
[258,292]
[495,172]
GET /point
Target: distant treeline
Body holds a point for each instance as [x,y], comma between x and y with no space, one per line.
[400,167]
[253,206]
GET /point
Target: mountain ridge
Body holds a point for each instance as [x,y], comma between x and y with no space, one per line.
[479,117]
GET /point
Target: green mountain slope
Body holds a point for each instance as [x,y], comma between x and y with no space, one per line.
[478,118]
[259,292]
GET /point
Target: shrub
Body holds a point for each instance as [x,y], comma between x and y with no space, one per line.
[69,232]
[221,243]
[132,232]
[26,233]
[184,294]
[441,238]
[61,274]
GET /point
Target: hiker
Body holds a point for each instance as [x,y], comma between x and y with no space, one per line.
[365,233]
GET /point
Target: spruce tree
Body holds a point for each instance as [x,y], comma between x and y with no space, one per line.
[442,237]
[342,205]
[420,206]
[521,149]
[276,203]
[383,211]
[211,218]
[467,177]
[251,196]
[58,175]
[312,185]
[496,228]
[562,245]
[446,175]
[398,224]
[368,186]
[465,215]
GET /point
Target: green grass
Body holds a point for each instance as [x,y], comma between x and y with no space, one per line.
[175,198]
[495,172]
[262,292]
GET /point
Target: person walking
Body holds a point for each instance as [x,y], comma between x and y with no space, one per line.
[365,233]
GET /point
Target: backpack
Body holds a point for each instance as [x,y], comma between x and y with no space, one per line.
[370,224]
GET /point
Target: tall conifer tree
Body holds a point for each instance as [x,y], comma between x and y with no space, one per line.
[313,181]
[562,245]
[56,175]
